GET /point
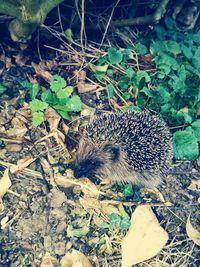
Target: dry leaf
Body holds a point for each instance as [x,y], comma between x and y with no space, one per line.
[153,192]
[91,190]
[195,185]
[21,165]
[5,183]
[49,261]
[41,72]
[144,239]
[193,233]
[86,87]
[75,259]
[12,147]
[53,118]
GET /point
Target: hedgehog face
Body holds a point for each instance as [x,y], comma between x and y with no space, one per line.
[92,159]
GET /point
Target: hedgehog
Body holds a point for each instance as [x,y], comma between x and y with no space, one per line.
[131,147]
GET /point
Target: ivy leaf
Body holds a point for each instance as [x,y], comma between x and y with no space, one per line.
[37,118]
[130,72]
[173,47]
[57,83]
[187,51]
[196,129]
[38,105]
[115,56]
[128,190]
[196,59]
[33,90]
[64,114]
[141,49]
[185,145]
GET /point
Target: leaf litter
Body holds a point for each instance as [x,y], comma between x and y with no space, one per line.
[48,218]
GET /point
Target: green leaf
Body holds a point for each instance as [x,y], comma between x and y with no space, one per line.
[114,55]
[115,218]
[49,97]
[25,84]
[196,129]
[37,105]
[110,91]
[187,51]
[57,83]
[64,114]
[37,118]
[65,93]
[101,68]
[130,73]
[110,73]
[125,224]
[69,35]
[74,103]
[141,49]
[185,145]
[33,91]
[126,96]
[128,190]
[142,74]
[173,47]
[196,59]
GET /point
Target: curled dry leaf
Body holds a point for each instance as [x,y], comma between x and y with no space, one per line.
[5,183]
[193,233]
[41,72]
[144,239]
[52,117]
[49,261]
[75,259]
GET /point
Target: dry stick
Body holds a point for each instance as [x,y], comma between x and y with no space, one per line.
[108,24]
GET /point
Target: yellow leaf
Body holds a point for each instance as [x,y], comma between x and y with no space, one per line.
[144,239]
[193,233]
[75,259]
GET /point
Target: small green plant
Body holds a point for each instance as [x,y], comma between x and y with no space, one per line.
[166,79]
[58,96]
[117,222]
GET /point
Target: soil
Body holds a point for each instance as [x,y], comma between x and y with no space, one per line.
[39,214]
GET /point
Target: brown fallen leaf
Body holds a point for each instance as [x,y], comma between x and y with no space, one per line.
[193,233]
[53,118]
[75,259]
[1,205]
[84,87]
[144,239]
[5,183]
[46,75]
[12,147]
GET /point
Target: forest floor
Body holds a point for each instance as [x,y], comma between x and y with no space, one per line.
[46,212]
